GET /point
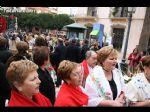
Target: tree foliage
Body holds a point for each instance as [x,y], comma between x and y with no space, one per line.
[43,20]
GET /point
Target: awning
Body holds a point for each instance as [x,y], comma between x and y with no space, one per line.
[94,32]
[76,25]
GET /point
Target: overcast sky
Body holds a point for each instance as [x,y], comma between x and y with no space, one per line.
[64,9]
[67,10]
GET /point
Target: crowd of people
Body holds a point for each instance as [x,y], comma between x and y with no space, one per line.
[32,66]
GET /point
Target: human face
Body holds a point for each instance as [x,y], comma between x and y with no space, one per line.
[92,60]
[31,84]
[135,51]
[76,76]
[147,72]
[110,63]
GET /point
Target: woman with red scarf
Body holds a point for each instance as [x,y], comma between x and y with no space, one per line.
[23,78]
[70,93]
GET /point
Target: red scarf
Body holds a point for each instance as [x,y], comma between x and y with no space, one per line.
[71,96]
[85,66]
[18,99]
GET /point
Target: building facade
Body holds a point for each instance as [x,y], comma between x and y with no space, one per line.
[115,21]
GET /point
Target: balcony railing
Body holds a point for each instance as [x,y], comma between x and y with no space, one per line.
[118,12]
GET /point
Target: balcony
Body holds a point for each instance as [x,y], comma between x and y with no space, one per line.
[118,14]
[85,19]
[92,11]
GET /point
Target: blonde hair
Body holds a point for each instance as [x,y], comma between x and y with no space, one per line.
[19,70]
[65,68]
[104,52]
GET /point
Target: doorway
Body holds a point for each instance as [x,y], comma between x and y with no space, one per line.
[117,40]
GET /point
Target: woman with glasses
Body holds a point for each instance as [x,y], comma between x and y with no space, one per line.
[70,93]
[138,89]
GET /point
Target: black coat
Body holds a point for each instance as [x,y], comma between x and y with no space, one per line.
[5,89]
[73,53]
[59,54]
[4,55]
[17,57]
[47,87]
[84,49]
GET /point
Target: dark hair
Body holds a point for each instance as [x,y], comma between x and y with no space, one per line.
[22,46]
[144,53]
[73,41]
[51,48]
[86,41]
[135,49]
[146,61]
[66,43]
[13,37]
[40,41]
[40,54]
[3,42]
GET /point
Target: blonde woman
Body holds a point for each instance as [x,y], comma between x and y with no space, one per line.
[23,79]
[105,85]
[71,93]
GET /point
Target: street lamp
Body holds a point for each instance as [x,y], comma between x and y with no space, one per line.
[130,11]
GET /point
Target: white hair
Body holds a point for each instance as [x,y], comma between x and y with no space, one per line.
[89,54]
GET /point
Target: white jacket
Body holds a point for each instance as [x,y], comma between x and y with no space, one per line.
[97,86]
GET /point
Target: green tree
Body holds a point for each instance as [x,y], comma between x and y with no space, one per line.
[61,20]
[43,20]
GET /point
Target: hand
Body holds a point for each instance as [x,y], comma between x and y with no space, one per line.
[121,98]
[117,103]
[132,57]
[122,95]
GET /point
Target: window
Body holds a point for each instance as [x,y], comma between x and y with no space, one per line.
[117,40]
[92,11]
